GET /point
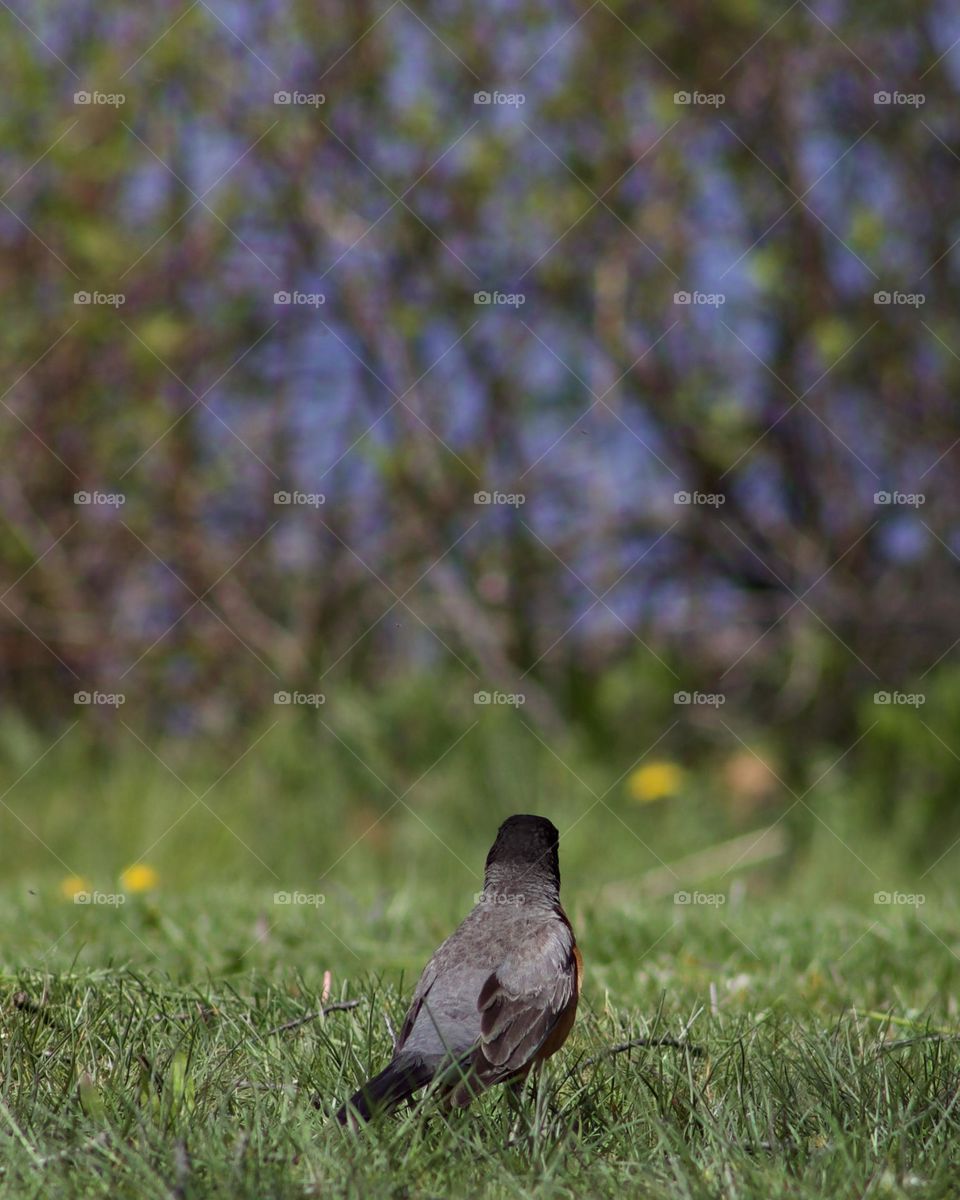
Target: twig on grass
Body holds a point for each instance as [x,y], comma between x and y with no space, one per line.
[933,1036]
[38,1008]
[340,1006]
[204,1011]
[669,1043]
[739,853]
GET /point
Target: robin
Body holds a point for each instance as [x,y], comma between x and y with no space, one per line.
[500,995]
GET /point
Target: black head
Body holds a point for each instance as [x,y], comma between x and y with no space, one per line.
[527,844]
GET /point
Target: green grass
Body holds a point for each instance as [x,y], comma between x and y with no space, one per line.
[140,1048]
[129,1080]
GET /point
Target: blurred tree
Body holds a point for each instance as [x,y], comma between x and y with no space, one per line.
[734,151]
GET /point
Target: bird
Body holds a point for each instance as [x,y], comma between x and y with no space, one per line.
[500,995]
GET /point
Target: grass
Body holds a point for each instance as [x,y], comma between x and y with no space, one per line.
[141,1048]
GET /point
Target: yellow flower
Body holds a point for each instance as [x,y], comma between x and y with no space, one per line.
[72,886]
[654,781]
[139,878]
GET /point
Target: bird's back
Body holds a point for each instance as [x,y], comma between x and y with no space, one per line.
[444,1019]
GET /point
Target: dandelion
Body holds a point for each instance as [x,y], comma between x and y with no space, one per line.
[654,781]
[139,878]
[72,886]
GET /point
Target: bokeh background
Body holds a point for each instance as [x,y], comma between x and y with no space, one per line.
[245,254]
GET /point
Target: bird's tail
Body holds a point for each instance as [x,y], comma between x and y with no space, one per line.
[385,1091]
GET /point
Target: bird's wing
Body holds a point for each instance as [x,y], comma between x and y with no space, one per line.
[424,984]
[523,1000]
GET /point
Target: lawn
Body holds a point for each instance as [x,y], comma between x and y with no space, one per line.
[169,1044]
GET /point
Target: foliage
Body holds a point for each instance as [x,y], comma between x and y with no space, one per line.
[198,198]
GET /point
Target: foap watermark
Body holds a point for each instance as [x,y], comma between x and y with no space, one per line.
[300,99]
[510,499]
[108,99]
[503,299]
[100,299]
[900,899]
[506,899]
[704,899]
[900,699]
[100,699]
[900,99]
[300,499]
[300,299]
[707,699]
[700,99]
[307,899]
[100,499]
[708,299]
[110,899]
[707,499]
[510,699]
[900,299]
[302,699]
[501,99]
[900,499]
